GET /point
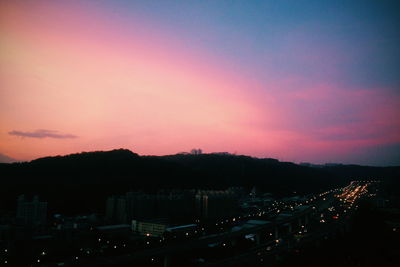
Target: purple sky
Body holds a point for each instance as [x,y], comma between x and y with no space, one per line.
[302,81]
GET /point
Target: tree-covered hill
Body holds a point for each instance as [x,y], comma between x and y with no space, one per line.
[83,180]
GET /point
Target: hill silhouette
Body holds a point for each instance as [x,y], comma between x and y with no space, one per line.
[81,182]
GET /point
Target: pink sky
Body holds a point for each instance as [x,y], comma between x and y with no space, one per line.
[112,83]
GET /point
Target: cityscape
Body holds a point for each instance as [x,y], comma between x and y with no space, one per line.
[236,226]
[249,228]
[183,133]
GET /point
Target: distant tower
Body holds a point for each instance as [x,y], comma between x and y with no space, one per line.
[31,212]
[121,210]
[110,209]
[196,151]
[201,200]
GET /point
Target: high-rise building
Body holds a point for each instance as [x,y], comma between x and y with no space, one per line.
[174,205]
[116,209]
[31,212]
[139,206]
[110,208]
[215,204]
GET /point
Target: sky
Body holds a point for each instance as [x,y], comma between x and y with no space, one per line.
[302,81]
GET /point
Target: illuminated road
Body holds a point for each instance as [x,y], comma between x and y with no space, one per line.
[328,221]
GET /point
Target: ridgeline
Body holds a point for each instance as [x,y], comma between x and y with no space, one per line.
[81,182]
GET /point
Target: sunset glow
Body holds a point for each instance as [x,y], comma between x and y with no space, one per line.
[98,75]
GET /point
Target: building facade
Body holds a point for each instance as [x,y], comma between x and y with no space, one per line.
[31,212]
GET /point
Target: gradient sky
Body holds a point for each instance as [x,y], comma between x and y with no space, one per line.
[303,81]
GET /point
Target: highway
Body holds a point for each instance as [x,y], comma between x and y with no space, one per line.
[332,219]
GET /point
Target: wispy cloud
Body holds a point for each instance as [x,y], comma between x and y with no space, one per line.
[41,133]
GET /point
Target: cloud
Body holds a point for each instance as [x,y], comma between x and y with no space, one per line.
[41,133]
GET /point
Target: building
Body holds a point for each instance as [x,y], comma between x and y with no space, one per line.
[175,205]
[216,204]
[116,209]
[31,212]
[149,228]
[172,205]
[123,229]
[181,231]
